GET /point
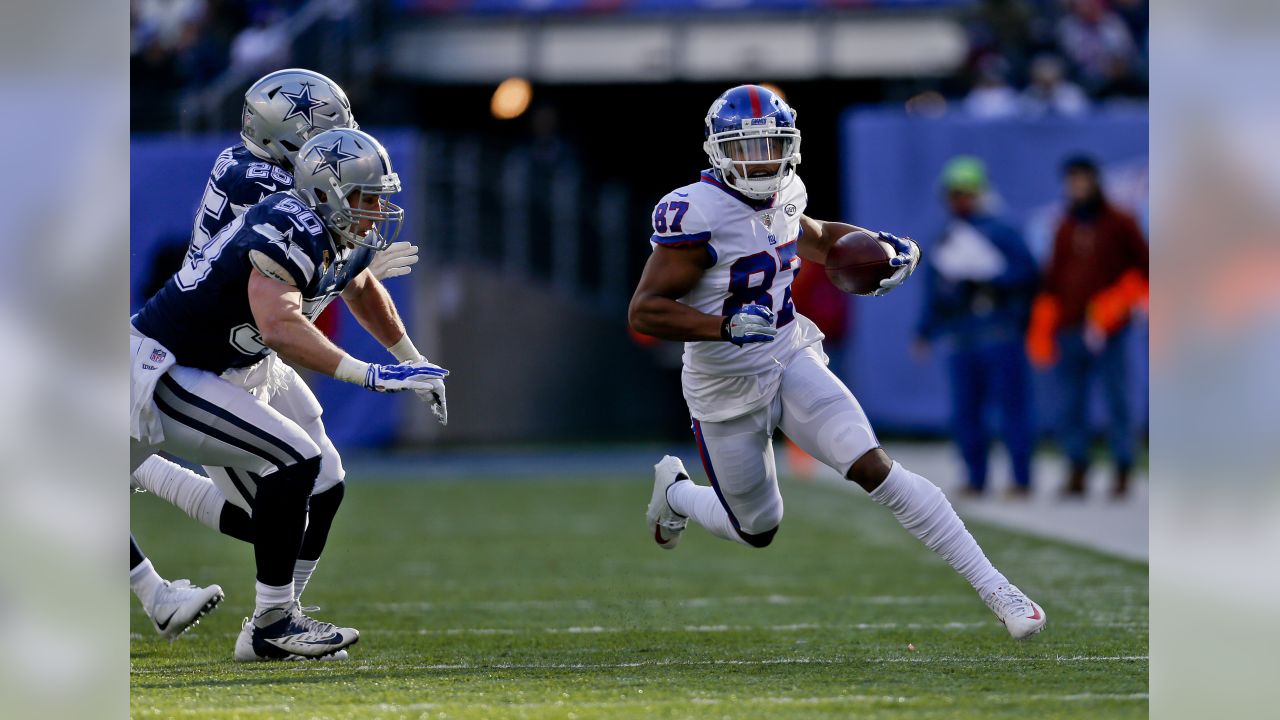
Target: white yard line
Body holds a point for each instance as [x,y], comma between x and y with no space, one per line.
[915,659]
[700,602]
[642,701]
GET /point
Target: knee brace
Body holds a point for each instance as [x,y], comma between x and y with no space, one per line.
[292,481]
[759,540]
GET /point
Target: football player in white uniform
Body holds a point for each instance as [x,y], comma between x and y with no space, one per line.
[725,250]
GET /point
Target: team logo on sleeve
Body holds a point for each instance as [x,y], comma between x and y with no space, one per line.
[303,105]
[331,158]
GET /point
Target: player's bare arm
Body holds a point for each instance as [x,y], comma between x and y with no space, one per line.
[818,236]
[277,313]
[372,306]
[670,274]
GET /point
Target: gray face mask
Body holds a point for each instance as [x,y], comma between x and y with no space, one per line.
[334,164]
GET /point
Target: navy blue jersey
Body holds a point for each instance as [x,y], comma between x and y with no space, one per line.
[239,180]
[202,313]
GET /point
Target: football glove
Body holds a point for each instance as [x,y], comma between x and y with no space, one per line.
[417,375]
[396,260]
[750,324]
[435,398]
[906,259]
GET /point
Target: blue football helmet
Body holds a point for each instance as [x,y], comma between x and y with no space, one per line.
[752,140]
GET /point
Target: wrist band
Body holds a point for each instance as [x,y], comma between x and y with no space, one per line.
[351,370]
[404,350]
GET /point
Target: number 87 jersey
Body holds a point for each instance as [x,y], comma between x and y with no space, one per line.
[752,244]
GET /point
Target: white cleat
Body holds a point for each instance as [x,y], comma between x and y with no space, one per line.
[177,606]
[665,524]
[1019,613]
[285,633]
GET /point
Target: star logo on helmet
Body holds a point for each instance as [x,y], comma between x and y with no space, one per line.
[331,158]
[303,105]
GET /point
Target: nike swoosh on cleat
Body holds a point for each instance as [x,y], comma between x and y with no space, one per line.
[322,641]
[1036,615]
[165,625]
[657,535]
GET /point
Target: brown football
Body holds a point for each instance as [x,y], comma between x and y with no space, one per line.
[858,262]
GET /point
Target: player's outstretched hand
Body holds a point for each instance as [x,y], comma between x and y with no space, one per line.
[397,259]
[906,259]
[750,324]
[416,375]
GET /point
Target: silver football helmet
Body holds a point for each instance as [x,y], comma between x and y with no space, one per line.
[286,108]
[335,164]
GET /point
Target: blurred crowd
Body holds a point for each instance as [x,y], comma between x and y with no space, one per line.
[994,309]
[181,46]
[1053,57]
[1025,57]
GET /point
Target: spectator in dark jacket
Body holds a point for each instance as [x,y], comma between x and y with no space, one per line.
[1096,276]
[980,280]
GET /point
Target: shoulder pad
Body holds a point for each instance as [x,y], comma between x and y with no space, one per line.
[681,219]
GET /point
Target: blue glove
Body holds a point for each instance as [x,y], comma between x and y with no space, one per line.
[750,324]
[906,259]
[416,375]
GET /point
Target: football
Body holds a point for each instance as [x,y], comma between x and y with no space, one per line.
[858,262]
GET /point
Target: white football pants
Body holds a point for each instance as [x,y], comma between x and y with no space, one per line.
[296,402]
[814,409]
[211,421]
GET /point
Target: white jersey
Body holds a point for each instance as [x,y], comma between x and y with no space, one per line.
[753,245]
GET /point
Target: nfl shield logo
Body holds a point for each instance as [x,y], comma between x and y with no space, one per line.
[158,356]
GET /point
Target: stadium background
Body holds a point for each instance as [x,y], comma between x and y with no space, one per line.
[534,229]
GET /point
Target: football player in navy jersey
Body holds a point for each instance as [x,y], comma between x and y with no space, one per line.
[207,383]
[281,110]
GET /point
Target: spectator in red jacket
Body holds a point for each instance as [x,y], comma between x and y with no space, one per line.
[1096,277]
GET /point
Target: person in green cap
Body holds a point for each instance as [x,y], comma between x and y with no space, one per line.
[980,280]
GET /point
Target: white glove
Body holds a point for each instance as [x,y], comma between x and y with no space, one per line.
[906,259]
[749,324]
[435,398]
[417,375]
[397,259]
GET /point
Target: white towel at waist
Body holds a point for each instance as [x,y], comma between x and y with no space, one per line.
[151,361]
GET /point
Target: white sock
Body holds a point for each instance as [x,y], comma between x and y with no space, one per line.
[302,570]
[144,580]
[191,492]
[700,503]
[924,511]
[267,597]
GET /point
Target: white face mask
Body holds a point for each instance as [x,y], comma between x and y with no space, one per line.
[756,160]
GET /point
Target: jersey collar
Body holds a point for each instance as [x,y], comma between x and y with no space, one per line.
[710,178]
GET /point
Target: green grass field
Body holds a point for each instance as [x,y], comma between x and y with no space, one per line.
[546,599]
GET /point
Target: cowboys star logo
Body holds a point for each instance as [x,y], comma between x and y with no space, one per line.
[331,158]
[303,105]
